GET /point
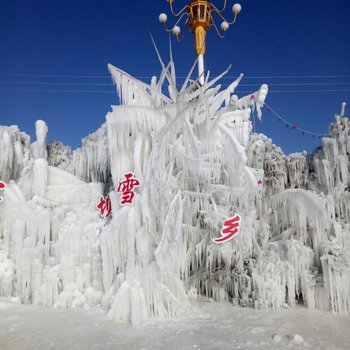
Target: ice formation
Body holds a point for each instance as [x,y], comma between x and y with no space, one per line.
[198,162]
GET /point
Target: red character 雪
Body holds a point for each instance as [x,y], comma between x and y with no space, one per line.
[127,188]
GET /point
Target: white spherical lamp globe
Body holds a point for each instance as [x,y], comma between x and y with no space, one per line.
[163,18]
[224,26]
[176,30]
[237,8]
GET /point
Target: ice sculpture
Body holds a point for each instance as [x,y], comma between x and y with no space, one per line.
[198,162]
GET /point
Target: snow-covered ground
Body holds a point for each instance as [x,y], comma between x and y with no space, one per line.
[216,326]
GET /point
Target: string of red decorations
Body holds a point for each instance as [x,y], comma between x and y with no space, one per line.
[287,124]
[293,126]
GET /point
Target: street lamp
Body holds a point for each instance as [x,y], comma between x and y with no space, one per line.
[199,18]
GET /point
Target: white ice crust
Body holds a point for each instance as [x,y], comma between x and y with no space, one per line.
[198,162]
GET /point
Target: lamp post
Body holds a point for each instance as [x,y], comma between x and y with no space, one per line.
[199,18]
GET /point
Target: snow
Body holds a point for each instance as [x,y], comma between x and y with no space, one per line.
[207,326]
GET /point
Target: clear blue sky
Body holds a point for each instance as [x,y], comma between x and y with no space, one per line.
[42,40]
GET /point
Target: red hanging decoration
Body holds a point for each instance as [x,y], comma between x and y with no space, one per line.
[2,188]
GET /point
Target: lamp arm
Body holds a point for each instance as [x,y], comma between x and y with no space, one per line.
[220,15]
[172,10]
[177,22]
[234,19]
[184,34]
[216,28]
[223,9]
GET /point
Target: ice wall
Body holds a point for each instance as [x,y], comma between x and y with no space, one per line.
[325,175]
[91,161]
[49,253]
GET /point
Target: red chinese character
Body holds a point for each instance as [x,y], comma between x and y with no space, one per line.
[2,187]
[104,206]
[231,228]
[126,187]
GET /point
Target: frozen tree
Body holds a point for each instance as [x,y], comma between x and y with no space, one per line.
[59,155]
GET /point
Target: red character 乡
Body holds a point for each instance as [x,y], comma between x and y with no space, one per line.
[104,206]
[127,188]
[230,229]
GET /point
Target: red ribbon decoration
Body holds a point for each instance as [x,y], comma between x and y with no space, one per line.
[2,187]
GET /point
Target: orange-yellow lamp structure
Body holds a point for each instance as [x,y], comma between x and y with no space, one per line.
[199,22]
[199,15]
